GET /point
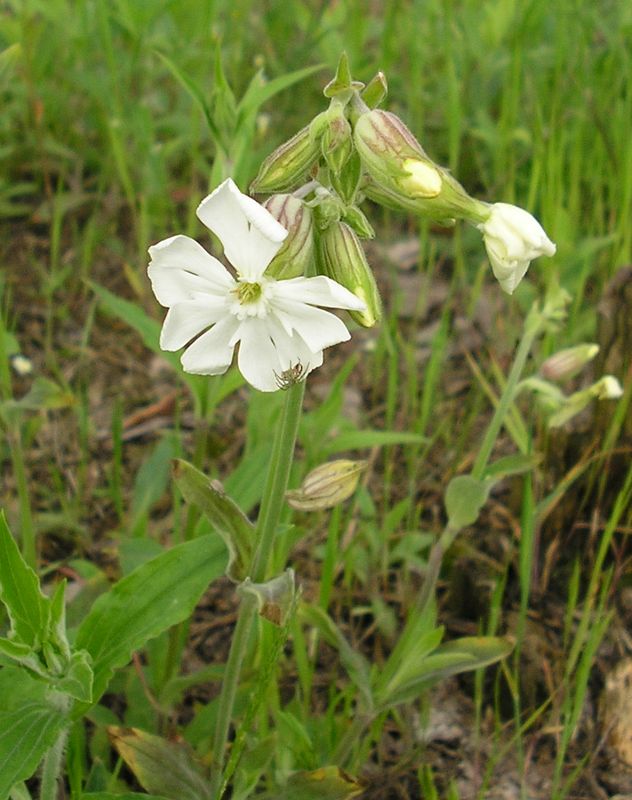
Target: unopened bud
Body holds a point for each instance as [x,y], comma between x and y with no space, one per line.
[288,165]
[344,261]
[607,388]
[401,169]
[327,486]
[568,362]
[296,255]
[336,140]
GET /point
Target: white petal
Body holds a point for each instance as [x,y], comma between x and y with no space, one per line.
[180,269]
[212,353]
[258,358]
[318,329]
[250,234]
[320,291]
[185,320]
[291,349]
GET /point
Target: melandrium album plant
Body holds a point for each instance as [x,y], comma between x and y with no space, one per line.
[295,254]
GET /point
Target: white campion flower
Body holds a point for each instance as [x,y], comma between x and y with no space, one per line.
[275,322]
[513,238]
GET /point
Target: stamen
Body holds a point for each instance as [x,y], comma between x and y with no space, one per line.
[248,292]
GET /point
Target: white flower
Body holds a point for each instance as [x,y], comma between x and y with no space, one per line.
[513,238]
[276,324]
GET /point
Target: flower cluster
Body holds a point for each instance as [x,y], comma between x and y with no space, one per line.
[312,225]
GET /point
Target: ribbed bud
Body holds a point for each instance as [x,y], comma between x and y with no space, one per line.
[296,255]
[288,165]
[344,261]
[568,362]
[337,140]
[403,176]
[327,486]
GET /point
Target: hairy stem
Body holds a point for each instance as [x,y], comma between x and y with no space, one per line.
[51,768]
[267,524]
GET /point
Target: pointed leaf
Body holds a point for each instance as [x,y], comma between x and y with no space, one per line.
[327,783]
[26,733]
[226,517]
[124,796]
[77,682]
[515,464]
[356,665]
[157,595]
[196,94]
[161,765]
[20,591]
[451,658]
[259,91]
[464,498]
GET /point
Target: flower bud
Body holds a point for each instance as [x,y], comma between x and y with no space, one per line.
[344,261]
[336,140]
[403,176]
[606,388]
[568,362]
[327,486]
[513,238]
[296,255]
[288,165]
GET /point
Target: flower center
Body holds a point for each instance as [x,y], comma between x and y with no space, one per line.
[248,293]
[251,298]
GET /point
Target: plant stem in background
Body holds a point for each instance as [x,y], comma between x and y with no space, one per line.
[267,523]
[532,328]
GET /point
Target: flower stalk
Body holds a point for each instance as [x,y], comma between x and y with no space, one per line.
[267,524]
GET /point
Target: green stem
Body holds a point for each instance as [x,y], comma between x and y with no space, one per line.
[267,524]
[533,326]
[51,769]
[532,329]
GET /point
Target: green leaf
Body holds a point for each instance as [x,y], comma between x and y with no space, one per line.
[148,329]
[197,96]
[124,796]
[161,765]
[358,440]
[226,517]
[157,595]
[260,91]
[25,735]
[20,591]
[515,464]
[44,394]
[464,498]
[77,681]
[135,317]
[152,479]
[57,620]
[327,783]
[356,665]
[460,655]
